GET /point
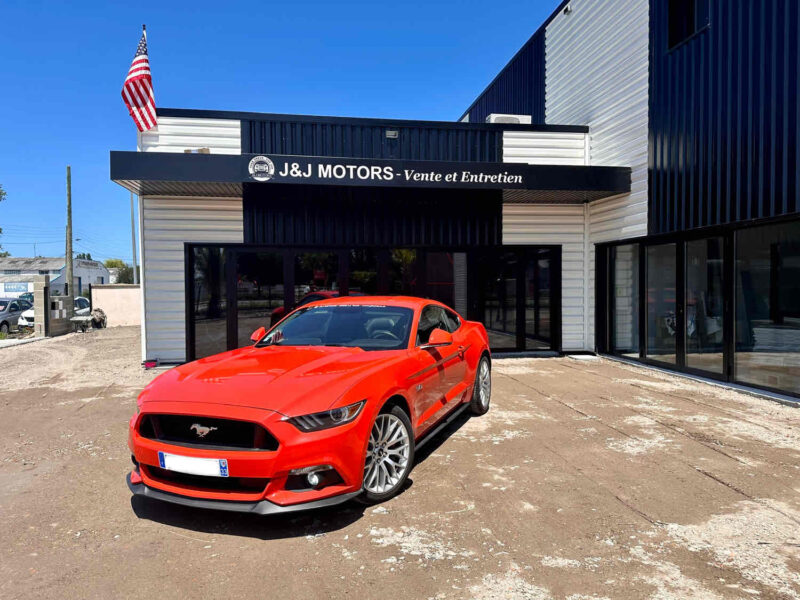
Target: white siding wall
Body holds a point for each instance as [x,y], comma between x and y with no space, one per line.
[178,134]
[167,224]
[596,69]
[544,148]
[557,224]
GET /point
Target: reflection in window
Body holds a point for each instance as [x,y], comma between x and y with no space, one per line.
[768,306]
[704,304]
[405,278]
[210,304]
[661,315]
[363,271]
[316,276]
[625,304]
[259,292]
[537,300]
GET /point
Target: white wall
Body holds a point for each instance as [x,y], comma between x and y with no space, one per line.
[545,148]
[596,70]
[557,224]
[122,303]
[178,134]
[167,224]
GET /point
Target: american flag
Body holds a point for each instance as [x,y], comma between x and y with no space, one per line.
[137,91]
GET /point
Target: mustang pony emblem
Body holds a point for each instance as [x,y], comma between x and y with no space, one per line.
[201,430]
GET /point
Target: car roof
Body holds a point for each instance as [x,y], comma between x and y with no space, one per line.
[405,301]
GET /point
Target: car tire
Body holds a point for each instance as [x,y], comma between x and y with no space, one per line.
[482,390]
[4,328]
[391,443]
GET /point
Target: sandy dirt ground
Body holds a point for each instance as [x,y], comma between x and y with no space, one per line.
[587,479]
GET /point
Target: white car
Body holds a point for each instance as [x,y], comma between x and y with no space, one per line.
[81,308]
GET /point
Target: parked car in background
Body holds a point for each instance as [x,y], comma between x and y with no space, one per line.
[27,296]
[10,311]
[80,307]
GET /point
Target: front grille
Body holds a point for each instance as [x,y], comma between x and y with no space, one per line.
[248,485]
[204,432]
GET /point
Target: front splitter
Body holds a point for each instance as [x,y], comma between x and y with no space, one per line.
[262,507]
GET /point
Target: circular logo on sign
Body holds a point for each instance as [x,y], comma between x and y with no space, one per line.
[261,168]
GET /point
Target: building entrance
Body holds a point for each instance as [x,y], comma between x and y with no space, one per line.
[231,290]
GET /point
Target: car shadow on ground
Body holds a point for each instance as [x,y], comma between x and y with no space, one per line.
[271,527]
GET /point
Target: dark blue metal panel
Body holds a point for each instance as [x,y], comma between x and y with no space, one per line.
[724,116]
[519,88]
[370,140]
[312,215]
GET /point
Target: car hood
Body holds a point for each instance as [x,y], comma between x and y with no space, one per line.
[289,380]
[28,313]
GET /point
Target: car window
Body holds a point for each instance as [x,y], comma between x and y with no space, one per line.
[25,304]
[453,322]
[432,317]
[309,299]
[3,305]
[14,306]
[369,327]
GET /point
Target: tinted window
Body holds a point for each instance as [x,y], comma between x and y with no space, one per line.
[369,327]
[453,322]
[14,306]
[432,317]
[25,304]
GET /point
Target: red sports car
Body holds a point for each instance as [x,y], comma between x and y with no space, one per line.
[329,405]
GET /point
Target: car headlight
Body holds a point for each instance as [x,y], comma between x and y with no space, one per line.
[328,418]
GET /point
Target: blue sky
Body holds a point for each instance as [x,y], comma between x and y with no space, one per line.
[62,65]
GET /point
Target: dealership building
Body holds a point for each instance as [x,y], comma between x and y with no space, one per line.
[626,185]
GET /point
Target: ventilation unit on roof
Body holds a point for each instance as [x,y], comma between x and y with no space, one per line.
[501,118]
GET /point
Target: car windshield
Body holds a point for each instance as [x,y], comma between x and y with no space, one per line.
[369,327]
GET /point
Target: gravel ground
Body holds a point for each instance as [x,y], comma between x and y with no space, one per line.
[587,479]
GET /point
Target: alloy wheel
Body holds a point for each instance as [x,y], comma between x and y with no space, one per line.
[388,452]
[484,384]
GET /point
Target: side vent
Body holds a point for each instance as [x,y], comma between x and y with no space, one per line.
[501,118]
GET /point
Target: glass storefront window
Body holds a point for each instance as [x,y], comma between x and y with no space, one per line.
[316,276]
[210,302]
[363,272]
[661,306]
[259,292]
[405,278]
[439,277]
[625,303]
[537,300]
[704,318]
[768,306]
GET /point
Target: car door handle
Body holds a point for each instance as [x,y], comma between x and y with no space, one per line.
[461,350]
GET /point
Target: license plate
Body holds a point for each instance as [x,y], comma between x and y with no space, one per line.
[211,467]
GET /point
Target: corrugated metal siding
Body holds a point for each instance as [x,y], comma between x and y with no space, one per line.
[354,140]
[597,75]
[544,148]
[314,215]
[177,134]
[167,224]
[724,117]
[518,89]
[560,225]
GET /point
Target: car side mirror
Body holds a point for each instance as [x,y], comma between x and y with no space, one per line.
[258,334]
[439,337]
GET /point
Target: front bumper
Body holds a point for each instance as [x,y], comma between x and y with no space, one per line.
[262,507]
[343,448]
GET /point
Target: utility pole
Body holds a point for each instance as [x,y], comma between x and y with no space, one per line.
[133,244]
[68,291]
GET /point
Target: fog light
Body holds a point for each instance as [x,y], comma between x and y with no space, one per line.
[313,479]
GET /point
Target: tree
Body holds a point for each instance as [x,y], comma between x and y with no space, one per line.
[114,263]
[84,255]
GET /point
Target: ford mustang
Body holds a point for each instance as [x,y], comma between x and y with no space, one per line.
[328,405]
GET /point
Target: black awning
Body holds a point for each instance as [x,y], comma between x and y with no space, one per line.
[177,174]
